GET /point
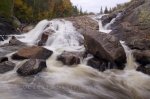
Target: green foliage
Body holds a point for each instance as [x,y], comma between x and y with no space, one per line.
[28,11]
[35,10]
[6,8]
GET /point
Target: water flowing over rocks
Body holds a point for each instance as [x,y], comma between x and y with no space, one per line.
[132,26]
[102,65]
[31,67]
[103,46]
[78,77]
[70,58]
[34,52]
[6,66]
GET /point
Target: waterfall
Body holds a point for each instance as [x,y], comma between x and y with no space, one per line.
[131,63]
[33,36]
[60,81]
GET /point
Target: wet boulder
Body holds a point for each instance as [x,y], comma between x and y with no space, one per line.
[69,58]
[101,65]
[6,66]
[14,41]
[105,47]
[45,36]
[31,67]
[43,40]
[34,52]
[3,59]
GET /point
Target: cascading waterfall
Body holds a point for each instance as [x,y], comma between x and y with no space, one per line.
[60,81]
[131,64]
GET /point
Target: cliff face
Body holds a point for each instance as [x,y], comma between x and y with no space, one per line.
[133,26]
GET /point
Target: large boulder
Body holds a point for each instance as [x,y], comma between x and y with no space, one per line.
[6,66]
[70,58]
[104,46]
[31,67]
[34,52]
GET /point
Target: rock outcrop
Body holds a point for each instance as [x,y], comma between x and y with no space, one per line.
[133,27]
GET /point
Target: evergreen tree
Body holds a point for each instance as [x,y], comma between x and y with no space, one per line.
[106,10]
[6,8]
[81,12]
[101,10]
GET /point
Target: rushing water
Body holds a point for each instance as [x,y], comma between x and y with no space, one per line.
[60,81]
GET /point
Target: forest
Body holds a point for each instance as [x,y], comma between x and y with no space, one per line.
[35,10]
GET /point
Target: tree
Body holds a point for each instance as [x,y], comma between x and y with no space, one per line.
[6,8]
[81,12]
[101,10]
[106,10]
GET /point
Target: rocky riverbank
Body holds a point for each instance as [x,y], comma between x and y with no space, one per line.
[133,28]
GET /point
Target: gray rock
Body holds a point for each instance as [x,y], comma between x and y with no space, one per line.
[34,52]
[104,46]
[31,67]
[6,66]
[13,41]
[69,58]
[101,65]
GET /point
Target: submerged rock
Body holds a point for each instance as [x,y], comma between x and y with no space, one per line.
[105,47]
[6,66]
[69,58]
[34,52]
[101,65]
[31,67]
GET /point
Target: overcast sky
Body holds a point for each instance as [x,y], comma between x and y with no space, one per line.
[95,5]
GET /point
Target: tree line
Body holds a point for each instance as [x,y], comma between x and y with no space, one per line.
[35,10]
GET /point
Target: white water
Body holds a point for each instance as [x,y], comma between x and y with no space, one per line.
[106,28]
[59,81]
[131,64]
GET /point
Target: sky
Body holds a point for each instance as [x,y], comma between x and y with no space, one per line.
[95,5]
